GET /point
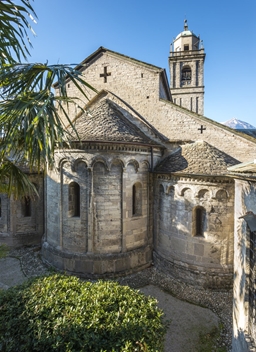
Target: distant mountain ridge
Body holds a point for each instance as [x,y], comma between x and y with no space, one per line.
[238,124]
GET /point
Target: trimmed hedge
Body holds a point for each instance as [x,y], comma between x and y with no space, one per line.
[63,313]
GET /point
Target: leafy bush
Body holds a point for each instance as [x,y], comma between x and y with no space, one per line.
[62,313]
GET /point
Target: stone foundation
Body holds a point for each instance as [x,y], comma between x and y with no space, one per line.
[90,265]
[210,278]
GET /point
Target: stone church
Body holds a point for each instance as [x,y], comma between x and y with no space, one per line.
[150,180]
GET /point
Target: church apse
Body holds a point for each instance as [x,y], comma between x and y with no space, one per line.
[194,230]
[102,224]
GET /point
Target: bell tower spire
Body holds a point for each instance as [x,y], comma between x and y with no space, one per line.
[186,63]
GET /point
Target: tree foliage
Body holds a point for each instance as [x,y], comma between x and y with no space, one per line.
[31,116]
[61,313]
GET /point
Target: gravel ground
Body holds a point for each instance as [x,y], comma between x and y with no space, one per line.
[220,302]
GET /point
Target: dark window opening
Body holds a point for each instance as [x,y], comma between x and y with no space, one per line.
[136,199]
[74,199]
[133,200]
[199,217]
[186,76]
[186,47]
[27,206]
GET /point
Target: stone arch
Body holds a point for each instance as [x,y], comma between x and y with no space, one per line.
[221,194]
[61,162]
[170,190]
[198,221]
[145,165]
[99,159]
[185,190]
[137,199]
[117,161]
[134,163]
[73,199]
[76,162]
[203,193]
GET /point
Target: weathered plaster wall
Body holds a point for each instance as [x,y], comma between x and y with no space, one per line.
[206,260]
[245,200]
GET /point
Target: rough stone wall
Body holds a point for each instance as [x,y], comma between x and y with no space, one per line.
[74,228]
[19,227]
[107,199]
[109,236]
[183,94]
[244,201]
[175,238]
[136,224]
[135,83]
[141,87]
[179,124]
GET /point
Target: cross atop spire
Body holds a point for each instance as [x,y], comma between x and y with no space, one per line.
[185,25]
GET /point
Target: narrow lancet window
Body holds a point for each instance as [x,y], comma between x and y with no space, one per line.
[27,206]
[74,199]
[136,199]
[199,218]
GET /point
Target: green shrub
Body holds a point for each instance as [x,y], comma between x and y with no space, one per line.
[62,313]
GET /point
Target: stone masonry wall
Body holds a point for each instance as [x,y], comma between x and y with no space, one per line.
[137,84]
[107,229]
[20,226]
[244,201]
[175,238]
[179,124]
[107,201]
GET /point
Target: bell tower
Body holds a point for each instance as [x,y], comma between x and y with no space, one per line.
[186,63]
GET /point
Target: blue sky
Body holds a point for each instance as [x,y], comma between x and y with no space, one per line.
[69,31]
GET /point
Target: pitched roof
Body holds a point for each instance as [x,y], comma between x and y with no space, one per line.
[91,58]
[198,158]
[106,123]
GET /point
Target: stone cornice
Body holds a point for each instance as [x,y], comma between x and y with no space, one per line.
[195,178]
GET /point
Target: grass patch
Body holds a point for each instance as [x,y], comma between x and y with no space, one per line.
[4,250]
[207,341]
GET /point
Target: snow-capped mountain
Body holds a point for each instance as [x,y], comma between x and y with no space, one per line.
[238,125]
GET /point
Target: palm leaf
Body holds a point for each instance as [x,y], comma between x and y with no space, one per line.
[31,116]
[15,182]
[14,39]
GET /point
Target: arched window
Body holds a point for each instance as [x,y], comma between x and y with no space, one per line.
[136,199]
[27,206]
[199,221]
[74,199]
[186,75]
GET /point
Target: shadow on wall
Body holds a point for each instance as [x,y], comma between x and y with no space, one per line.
[242,342]
[244,293]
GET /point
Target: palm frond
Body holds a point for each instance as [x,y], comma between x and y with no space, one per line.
[31,116]
[14,39]
[15,182]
